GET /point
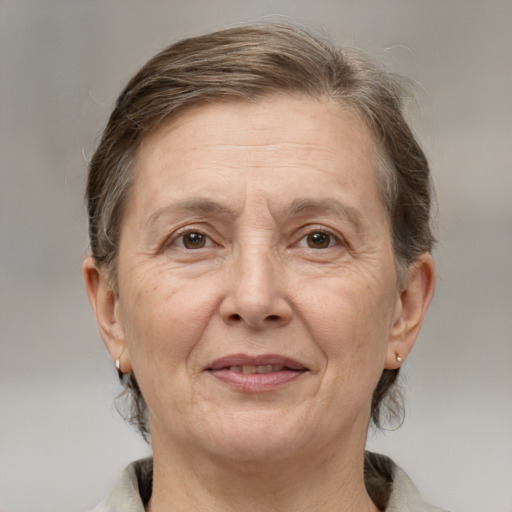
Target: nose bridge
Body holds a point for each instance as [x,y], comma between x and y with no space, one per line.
[256,269]
[258,294]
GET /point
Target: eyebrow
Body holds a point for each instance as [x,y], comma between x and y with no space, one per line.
[325,207]
[298,207]
[198,206]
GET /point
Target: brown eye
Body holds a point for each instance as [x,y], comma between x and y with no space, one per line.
[193,240]
[319,240]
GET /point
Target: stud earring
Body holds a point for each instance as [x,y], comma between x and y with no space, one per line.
[118,368]
[399,358]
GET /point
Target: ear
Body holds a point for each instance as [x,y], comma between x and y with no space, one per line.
[412,304]
[106,307]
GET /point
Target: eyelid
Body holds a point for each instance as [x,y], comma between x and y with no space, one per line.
[340,240]
[171,240]
[301,235]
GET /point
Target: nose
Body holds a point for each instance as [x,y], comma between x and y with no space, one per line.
[256,293]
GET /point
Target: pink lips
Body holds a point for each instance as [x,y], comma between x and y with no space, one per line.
[256,374]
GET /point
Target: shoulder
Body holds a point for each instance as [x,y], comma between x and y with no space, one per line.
[391,488]
[132,491]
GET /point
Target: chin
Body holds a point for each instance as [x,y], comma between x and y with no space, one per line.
[257,436]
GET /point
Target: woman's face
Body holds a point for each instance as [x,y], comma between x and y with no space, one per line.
[257,300]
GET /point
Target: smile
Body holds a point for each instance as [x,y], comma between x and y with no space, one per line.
[256,374]
[262,368]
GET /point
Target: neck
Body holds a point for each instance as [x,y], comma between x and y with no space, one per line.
[188,481]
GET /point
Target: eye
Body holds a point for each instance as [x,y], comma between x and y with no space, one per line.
[318,240]
[193,240]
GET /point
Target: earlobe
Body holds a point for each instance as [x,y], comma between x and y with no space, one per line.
[105,305]
[412,304]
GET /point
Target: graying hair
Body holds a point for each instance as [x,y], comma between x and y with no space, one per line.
[250,63]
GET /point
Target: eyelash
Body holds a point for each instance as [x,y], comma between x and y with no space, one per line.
[180,236]
[334,238]
[177,240]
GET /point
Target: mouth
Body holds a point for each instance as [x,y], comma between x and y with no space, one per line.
[253,374]
[265,363]
[261,368]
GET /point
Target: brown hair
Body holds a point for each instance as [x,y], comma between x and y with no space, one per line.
[249,63]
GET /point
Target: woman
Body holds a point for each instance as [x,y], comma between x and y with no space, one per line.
[261,266]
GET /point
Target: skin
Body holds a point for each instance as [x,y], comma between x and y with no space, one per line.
[279,273]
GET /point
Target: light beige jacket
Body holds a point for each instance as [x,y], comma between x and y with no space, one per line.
[126,495]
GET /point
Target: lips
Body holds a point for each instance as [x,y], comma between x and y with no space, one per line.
[242,360]
[261,368]
[253,374]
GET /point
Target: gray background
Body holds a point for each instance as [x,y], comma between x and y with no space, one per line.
[62,445]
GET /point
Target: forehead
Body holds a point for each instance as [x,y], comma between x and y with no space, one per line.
[291,144]
[263,117]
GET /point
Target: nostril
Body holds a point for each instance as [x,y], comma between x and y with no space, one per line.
[235,317]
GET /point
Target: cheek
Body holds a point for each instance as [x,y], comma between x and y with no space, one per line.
[355,347]
[164,320]
[350,323]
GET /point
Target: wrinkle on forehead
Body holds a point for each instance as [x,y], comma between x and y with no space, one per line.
[258,117]
[211,155]
[252,138]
